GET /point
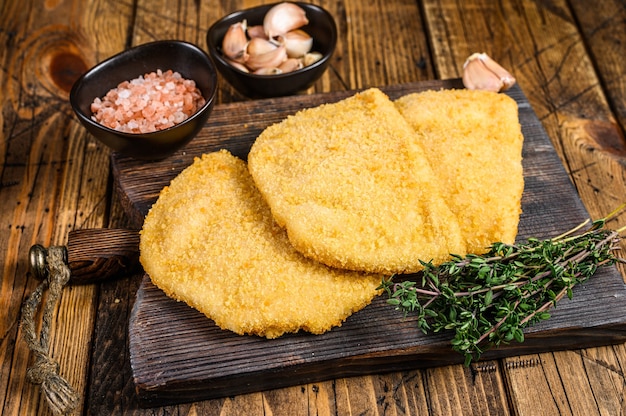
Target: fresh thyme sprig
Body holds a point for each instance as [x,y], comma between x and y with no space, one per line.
[488,299]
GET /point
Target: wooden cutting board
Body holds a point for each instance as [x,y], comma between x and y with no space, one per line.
[178,355]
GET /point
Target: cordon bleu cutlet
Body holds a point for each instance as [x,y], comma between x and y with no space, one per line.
[210,241]
[353,188]
[473,141]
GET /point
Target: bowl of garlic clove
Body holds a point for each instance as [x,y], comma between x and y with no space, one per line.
[273,50]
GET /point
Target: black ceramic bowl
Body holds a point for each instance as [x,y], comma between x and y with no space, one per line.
[182,57]
[321,27]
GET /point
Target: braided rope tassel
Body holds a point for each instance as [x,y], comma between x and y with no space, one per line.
[60,395]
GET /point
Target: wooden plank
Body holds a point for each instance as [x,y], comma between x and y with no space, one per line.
[569,59]
[177,354]
[603,29]
[28,186]
[54,179]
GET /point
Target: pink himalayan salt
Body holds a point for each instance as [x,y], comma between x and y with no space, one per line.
[149,103]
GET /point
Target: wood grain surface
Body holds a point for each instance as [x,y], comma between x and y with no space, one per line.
[178,355]
[567,55]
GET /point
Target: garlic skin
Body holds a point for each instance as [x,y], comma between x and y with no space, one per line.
[480,72]
[283,18]
[270,59]
[298,43]
[235,41]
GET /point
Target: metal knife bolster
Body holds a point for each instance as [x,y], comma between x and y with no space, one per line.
[93,255]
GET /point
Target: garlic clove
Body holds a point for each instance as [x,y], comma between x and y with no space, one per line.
[507,79]
[268,71]
[290,65]
[477,77]
[311,58]
[283,18]
[238,65]
[480,72]
[256,31]
[259,46]
[270,59]
[234,42]
[298,43]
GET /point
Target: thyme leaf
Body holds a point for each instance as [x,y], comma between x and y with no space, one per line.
[487,300]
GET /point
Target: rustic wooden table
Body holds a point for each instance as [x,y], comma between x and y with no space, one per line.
[567,56]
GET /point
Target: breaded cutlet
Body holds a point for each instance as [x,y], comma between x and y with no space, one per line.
[473,141]
[210,241]
[353,188]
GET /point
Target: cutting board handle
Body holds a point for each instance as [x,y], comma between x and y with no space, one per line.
[93,255]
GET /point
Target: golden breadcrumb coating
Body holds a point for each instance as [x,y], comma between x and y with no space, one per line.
[473,141]
[353,188]
[211,242]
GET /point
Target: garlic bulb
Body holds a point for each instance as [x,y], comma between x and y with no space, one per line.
[283,18]
[298,43]
[234,42]
[480,72]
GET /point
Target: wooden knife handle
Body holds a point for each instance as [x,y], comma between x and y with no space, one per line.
[94,255]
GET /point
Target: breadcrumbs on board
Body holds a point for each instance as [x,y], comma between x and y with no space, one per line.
[152,102]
